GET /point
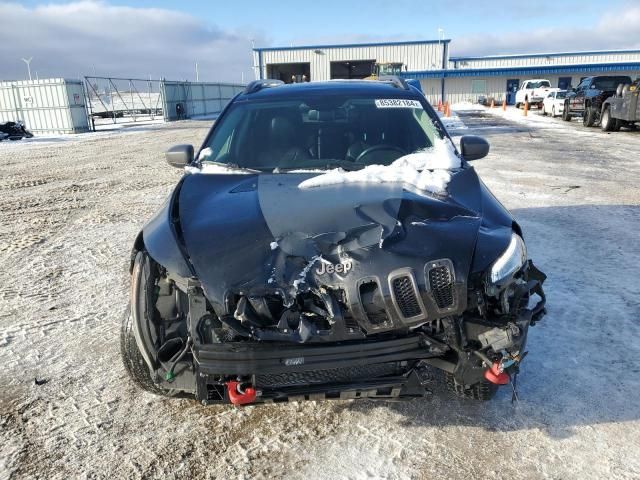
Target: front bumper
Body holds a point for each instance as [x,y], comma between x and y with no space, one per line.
[374,369]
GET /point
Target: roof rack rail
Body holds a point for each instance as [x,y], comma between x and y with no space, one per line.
[395,80]
[258,85]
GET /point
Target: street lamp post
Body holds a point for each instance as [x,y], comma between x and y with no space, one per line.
[28,62]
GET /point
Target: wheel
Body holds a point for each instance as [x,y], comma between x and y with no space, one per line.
[553,111]
[589,117]
[544,111]
[566,114]
[517,106]
[608,123]
[134,364]
[482,391]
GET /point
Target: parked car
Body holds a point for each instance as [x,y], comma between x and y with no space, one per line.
[487,101]
[587,98]
[622,109]
[533,91]
[14,131]
[328,241]
[553,103]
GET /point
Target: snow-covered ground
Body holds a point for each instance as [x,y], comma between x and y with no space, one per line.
[452,122]
[69,211]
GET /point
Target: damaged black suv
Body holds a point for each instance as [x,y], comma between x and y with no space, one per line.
[328,241]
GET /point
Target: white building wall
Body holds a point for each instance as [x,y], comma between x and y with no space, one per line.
[460,89]
[542,60]
[420,56]
[432,88]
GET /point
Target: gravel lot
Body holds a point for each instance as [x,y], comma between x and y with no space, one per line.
[70,209]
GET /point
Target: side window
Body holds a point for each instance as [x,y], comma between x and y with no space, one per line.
[427,126]
[220,145]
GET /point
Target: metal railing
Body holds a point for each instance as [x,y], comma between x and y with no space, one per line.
[112,100]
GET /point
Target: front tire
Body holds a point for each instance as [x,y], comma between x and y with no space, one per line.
[482,391]
[589,118]
[544,110]
[133,361]
[553,112]
[608,123]
[566,114]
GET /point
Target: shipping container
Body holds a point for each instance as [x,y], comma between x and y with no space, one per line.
[47,106]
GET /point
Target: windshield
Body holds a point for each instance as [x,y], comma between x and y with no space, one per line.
[561,94]
[610,83]
[320,132]
[540,84]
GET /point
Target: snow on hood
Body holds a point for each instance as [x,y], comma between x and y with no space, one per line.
[211,168]
[426,170]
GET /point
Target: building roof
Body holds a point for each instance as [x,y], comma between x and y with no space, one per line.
[351,45]
[539,55]
[526,70]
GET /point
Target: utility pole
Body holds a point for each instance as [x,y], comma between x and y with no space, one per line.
[28,62]
[197,73]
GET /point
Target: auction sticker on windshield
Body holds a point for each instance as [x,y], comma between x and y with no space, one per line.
[397,103]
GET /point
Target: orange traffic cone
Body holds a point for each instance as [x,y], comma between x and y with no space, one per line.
[439,105]
[526,108]
[448,111]
[504,105]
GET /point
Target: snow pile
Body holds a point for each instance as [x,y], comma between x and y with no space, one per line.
[426,170]
[462,106]
[452,122]
[205,154]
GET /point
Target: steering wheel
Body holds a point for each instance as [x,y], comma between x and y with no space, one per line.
[383,147]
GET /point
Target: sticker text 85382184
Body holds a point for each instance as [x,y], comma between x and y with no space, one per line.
[397,103]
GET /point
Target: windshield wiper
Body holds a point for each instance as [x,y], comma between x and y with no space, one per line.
[230,166]
[345,165]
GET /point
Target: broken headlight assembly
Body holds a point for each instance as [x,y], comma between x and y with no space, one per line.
[511,260]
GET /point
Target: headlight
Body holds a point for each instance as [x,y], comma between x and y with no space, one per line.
[513,258]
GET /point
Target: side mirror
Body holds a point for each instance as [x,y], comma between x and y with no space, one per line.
[473,148]
[179,156]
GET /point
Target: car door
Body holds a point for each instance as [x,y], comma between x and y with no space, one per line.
[549,100]
[577,101]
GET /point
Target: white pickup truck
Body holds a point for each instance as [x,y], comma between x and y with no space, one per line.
[533,91]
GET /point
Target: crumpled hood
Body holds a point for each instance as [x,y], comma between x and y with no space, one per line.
[253,233]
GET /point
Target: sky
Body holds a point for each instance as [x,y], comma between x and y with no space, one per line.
[162,38]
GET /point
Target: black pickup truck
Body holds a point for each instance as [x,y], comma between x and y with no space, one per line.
[587,98]
[622,109]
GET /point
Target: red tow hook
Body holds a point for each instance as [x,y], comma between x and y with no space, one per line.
[238,395]
[496,375]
